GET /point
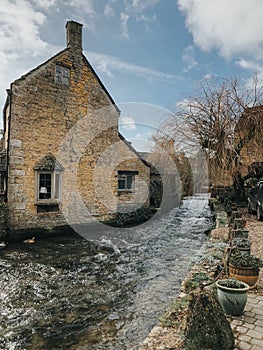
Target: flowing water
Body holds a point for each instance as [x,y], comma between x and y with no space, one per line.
[56,295]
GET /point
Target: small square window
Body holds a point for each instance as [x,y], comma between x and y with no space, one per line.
[62,75]
[126,180]
[49,186]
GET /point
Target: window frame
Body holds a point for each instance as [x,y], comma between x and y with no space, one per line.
[129,186]
[62,74]
[56,186]
[2,183]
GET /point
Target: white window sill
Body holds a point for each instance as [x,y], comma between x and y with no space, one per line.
[47,202]
[125,191]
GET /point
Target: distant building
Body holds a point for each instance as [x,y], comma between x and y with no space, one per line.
[63,160]
[247,144]
[250,132]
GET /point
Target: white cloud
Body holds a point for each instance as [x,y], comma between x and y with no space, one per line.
[83,6]
[140,5]
[249,64]
[102,63]
[20,25]
[21,45]
[45,4]
[188,58]
[256,68]
[124,24]
[136,9]
[147,21]
[83,10]
[232,27]
[107,64]
[108,10]
[128,123]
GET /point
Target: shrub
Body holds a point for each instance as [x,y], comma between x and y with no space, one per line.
[238,260]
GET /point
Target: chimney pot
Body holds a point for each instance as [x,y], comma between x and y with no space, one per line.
[74,35]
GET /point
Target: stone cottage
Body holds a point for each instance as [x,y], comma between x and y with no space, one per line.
[63,161]
[250,131]
[248,144]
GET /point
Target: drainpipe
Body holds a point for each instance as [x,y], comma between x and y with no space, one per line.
[9,92]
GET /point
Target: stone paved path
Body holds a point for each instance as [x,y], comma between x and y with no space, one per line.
[248,328]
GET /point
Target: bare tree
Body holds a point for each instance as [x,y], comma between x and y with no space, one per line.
[221,119]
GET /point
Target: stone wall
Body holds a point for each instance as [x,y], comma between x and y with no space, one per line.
[77,123]
[3,222]
[250,129]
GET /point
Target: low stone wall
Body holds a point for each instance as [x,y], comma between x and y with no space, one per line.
[131,218]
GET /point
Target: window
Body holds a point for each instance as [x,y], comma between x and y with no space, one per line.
[2,183]
[49,186]
[48,175]
[126,180]
[62,75]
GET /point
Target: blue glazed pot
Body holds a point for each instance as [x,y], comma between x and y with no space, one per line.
[232,300]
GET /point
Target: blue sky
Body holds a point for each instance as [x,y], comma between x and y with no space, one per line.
[149,54]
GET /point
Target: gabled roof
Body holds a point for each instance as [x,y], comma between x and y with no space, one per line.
[101,84]
[48,163]
[132,149]
[24,76]
[250,117]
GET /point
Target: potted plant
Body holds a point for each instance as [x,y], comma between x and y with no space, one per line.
[236,214]
[243,245]
[239,223]
[244,267]
[239,233]
[232,296]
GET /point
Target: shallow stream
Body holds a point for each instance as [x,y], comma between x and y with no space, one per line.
[56,295]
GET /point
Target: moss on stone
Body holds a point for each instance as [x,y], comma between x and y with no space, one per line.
[207,326]
[195,280]
[176,314]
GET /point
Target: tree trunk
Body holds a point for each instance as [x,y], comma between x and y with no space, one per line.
[239,188]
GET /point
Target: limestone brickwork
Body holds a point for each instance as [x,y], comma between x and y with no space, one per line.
[76,121]
[248,140]
[250,129]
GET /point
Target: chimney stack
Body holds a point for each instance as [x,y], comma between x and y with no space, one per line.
[74,35]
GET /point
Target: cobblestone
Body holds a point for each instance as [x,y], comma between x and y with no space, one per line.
[248,328]
[259,323]
[244,346]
